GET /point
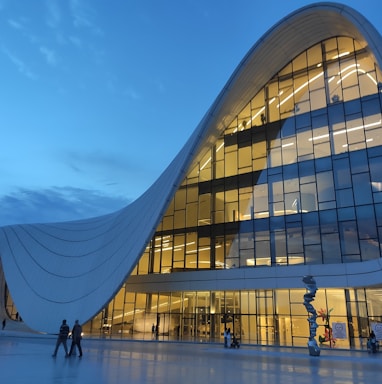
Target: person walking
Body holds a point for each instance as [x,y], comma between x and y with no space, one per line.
[229,337]
[4,323]
[61,339]
[76,338]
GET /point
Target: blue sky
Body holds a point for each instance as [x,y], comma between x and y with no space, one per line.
[97,97]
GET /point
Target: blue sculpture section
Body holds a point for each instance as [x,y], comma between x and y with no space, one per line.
[310,284]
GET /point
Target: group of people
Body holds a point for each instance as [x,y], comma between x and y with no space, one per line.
[63,335]
[227,339]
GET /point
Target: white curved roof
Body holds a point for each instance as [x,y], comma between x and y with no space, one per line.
[71,270]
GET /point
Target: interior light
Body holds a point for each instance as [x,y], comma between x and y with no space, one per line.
[205,164]
[220,146]
[340,55]
[370,125]
[299,88]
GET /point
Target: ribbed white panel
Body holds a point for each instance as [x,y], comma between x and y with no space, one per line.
[71,270]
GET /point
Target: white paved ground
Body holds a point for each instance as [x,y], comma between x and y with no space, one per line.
[28,360]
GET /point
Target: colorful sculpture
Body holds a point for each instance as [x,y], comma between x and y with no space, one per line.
[311,286]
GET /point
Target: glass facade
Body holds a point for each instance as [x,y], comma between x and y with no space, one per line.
[296,178]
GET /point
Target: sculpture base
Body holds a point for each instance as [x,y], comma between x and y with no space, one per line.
[314,349]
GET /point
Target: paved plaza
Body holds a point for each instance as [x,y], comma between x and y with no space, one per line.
[27,359]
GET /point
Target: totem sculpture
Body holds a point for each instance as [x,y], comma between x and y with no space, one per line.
[311,286]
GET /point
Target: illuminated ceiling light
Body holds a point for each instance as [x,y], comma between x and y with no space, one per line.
[340,55]
[257,114]
[220,147]
[300,88]
[287,145]
[348,67]
[319,137]
[370,125]
[331,79]
[205,164]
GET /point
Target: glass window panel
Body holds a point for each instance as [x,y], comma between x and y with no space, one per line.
[325,186]
[245,158]
[273,102]
[180,219]
[291,181]
[300,62]
[143,266]
[367,83]
[308,197]
[219,169]
[341,173]
[263,253]
[353,107]
[231,163]
[294,240]
[204,213]
[374,137]
[276,189]
[346,214]
[362,189]
[313,254]
[322,150]
[355,131]
[369,250]
[375,165]
[191,214]
[246,204]
[192,194]
[257,105]
[311,228]
[304,143]
[314,55]
[275,157]
[331,249]
[318,99]
[289,151]
[219,253]
[358,162]
[180,198]
[259,148]
[349,238]
[367,227]
[260,198]
[328,221]
[344,198]
[292,203]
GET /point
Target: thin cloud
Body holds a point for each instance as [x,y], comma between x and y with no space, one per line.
[84,16]
[49,55]
[53,17]
[20,65]
[132,94]
[56,205]
[15,24]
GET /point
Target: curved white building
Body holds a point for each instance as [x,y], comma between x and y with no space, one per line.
[282,178]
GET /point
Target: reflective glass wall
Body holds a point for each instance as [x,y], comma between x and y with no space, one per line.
[295,179]
[262,317]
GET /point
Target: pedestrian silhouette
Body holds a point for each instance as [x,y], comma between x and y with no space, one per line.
[62,337]
[76,339]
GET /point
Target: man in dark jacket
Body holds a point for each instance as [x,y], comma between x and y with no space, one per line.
[62,337]
[76,338]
